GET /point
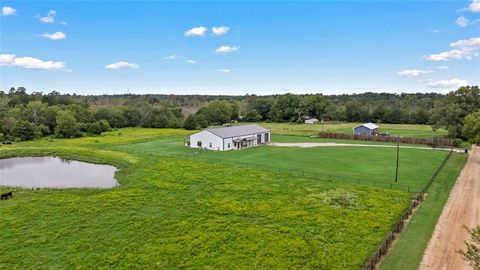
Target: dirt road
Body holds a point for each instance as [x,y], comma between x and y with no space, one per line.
[330,144]
[462,208]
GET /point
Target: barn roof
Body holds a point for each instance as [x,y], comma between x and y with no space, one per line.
[368,125]
[228,132]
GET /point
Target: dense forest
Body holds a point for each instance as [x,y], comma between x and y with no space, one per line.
[25,116]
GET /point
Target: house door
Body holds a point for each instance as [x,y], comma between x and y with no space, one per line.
[266,138]
[259,138]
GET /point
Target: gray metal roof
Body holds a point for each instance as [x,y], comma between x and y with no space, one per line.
[368,125]
[229,132]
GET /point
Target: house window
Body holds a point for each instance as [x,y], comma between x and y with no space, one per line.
[210,145]
[228,146]
[199,143]
[266,138]
[259,138]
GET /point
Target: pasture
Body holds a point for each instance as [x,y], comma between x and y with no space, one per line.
[405,130]
[177,213]
[364,163]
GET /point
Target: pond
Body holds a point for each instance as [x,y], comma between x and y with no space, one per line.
[53,172]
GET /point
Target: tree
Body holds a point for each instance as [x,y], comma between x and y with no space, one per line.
[219,111]
[253,116]
[420,116]
[190,123]
[472,252]
[66,125]
[201,121]
[7,124]
[471,127]
[355,111]
[285,108]
[451,111]
[24,130]
[113,115]
[104,125]
[262,106]
[314,105]
[379,114]
[396,116]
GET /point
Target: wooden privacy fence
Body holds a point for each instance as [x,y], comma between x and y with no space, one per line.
[398,227]
[434,142]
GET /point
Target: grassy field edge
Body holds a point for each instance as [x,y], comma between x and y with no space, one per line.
[407,252]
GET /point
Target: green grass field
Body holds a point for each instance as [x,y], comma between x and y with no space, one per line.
[175,213]
[407,252]
[171,213]
[364,163]
[405,130]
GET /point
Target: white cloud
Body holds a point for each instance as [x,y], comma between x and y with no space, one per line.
[8,11]
[225,49]
[29,62]
[414,72]
[453,83]
[50,18]
[171,57]
[220,30]
[121,65]
[461,49]
[435,31]
[55,36]
[224,70]
[196,32]
[462,21]
[442,67]
[474,6]
[7,59]
[190,61]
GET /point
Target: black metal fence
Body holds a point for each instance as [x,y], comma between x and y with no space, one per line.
[398,227]
[294,172]
[383,248]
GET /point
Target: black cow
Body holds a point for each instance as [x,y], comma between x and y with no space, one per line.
[6,196]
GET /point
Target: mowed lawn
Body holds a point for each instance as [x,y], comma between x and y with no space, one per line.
[173,213]
[405,130]
[378,164]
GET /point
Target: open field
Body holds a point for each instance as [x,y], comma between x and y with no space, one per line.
[405,130]
[171,213]
[372,163]
[407,252]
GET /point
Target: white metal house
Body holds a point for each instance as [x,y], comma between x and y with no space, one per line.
[366,129]
[311,121]
[230,138]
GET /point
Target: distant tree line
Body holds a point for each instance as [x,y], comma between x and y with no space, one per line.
[27,116]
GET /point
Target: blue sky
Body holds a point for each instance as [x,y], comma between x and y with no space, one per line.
[91,47]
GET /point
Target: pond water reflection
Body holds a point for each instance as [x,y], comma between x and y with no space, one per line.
[53,172]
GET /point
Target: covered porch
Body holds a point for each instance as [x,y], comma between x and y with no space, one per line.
[247,142]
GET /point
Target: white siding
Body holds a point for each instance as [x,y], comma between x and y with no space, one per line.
[209,141]
[228,142]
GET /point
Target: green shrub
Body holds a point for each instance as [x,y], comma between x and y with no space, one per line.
[340,199]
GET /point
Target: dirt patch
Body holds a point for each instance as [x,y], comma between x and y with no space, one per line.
[462,208]
[330,144]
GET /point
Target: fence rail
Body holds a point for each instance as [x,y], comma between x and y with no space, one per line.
[398,227]
[434,142]
[382,249]
[294,172]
